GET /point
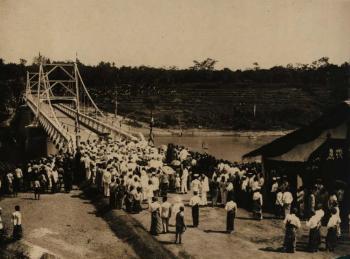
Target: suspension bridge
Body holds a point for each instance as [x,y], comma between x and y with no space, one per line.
[62,105]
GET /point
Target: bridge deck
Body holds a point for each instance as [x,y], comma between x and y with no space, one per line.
[67,122]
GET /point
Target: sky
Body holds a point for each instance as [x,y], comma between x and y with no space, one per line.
[164,33]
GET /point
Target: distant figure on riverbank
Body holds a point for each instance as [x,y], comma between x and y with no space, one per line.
[17,223]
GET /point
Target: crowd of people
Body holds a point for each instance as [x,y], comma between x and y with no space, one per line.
[135,175]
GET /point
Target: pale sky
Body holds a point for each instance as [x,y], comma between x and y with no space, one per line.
[176,32]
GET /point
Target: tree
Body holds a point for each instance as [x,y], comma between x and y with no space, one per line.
[41,59]
[207,64]
[22,61]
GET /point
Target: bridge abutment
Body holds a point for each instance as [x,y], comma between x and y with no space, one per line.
[35,141]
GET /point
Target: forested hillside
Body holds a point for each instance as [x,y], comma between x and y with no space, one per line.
[201,96]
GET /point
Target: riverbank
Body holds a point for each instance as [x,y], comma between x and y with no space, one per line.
[136,127]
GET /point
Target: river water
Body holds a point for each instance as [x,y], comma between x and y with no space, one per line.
[230,148]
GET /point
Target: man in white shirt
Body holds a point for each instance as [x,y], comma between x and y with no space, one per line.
[106,179]
[287,200]
[184,178]
[195,184]
[165,214]
[17,223]
[194,203]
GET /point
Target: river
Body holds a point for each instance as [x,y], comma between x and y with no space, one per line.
[222,147]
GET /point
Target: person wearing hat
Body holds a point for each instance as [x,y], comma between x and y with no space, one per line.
[194,203]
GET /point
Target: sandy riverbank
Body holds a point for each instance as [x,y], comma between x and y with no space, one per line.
[126,124]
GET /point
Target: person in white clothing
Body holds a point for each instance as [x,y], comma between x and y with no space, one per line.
[106,179]
[231,208]
[287,199]
[205,189]
[332,230]
[195,184]
[165,214]
[184,179]
[292,223]
[194,203]
[17,223]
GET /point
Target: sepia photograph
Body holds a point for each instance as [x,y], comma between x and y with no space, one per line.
[163,129]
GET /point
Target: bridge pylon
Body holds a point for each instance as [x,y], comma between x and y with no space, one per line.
[58,88]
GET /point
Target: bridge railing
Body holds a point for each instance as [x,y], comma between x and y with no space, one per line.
[95,124]
[60,138]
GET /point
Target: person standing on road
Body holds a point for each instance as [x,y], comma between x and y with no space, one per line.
[9,181]
[332,230]
[214,191]
[17,223]
[180,225]
[257,205]
[106,179]
[195,184]
[194,203]
[231,208]
[287,200]
[18,180]
[37,189]
[314,225]
[292,223]
[165,214]
[155,217]
[205,189]
[184,179]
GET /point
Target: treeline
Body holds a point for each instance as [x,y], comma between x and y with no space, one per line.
[145,82]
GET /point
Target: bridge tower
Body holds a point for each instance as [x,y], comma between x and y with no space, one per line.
[61,103]
[60,83]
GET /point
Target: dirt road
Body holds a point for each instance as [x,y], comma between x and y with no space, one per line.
[65,225]
[251,239]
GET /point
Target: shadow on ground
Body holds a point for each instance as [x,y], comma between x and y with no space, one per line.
[125,227]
